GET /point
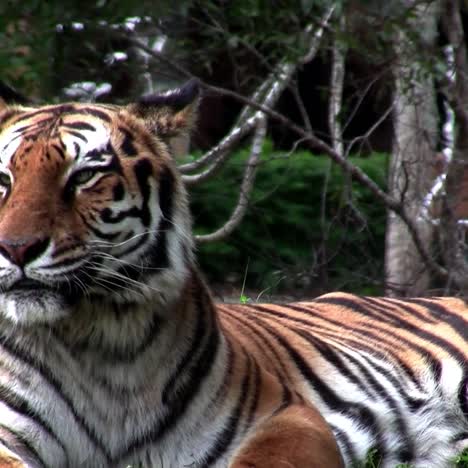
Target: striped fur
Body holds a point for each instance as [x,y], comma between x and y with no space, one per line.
[112,352]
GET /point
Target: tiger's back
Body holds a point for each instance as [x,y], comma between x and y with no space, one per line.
[388,375]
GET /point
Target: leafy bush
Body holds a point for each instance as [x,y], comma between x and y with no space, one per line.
[308,226]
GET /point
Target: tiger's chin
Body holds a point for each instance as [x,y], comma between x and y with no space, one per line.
[34,307]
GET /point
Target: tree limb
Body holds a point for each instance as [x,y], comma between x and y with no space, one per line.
[269,93]
[336,92]
[219,153]
[246,186]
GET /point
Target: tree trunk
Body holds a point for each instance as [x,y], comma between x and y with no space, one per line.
[414,151]
[452,232]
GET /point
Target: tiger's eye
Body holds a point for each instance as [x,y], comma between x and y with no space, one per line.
[82,177]
[5,180]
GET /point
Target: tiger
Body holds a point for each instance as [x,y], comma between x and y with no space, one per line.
[113,352]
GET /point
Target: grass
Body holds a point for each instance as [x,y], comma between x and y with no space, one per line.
[374,460]
[462,460]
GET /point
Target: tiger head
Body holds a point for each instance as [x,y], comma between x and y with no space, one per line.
[91,205]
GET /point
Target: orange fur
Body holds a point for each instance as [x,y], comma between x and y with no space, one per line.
[297,437]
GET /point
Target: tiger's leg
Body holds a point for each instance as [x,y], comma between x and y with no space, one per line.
[8,459]
[297,437]
[14,454]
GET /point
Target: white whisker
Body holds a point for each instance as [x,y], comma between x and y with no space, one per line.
[101,283]
[105,243]
[125,262]
[114,274]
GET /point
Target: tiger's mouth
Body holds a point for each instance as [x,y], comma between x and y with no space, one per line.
[28,301]
[26,284]
[28,288]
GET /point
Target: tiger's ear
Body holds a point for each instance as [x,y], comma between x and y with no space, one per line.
[170,115]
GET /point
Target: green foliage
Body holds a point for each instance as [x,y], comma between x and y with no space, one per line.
[308,226]
[373,459]
[462,460]
[31,39]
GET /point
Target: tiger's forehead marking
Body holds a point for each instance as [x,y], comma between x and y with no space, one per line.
[80,133]
[84,137]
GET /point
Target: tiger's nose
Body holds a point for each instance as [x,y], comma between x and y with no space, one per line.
[23,251]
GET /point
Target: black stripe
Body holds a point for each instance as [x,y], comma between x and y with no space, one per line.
[96,155]
[256,332]
[166,191]
[143,170]
[391,308]
[78,135]
[223,389]
[463,394]
[406,448]
[441,313]
[29,114]
[96,113]
[196,375]
[334,359]
[98,233]
[460,436]
[224,440]
[370,307]
[48,376]
[346,446]
[66,108]
[127,145]
[170,390]
[20,406]
[118,191]
[157,256]
[79,126]
[257,383]
[413,403]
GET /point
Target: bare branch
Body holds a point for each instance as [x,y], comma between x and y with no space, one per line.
[160,57]
[269,93]
[246,186]
[221,151]
[370,131]
[336,92]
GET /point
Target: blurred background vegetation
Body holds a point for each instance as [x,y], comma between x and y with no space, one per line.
[302,234]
